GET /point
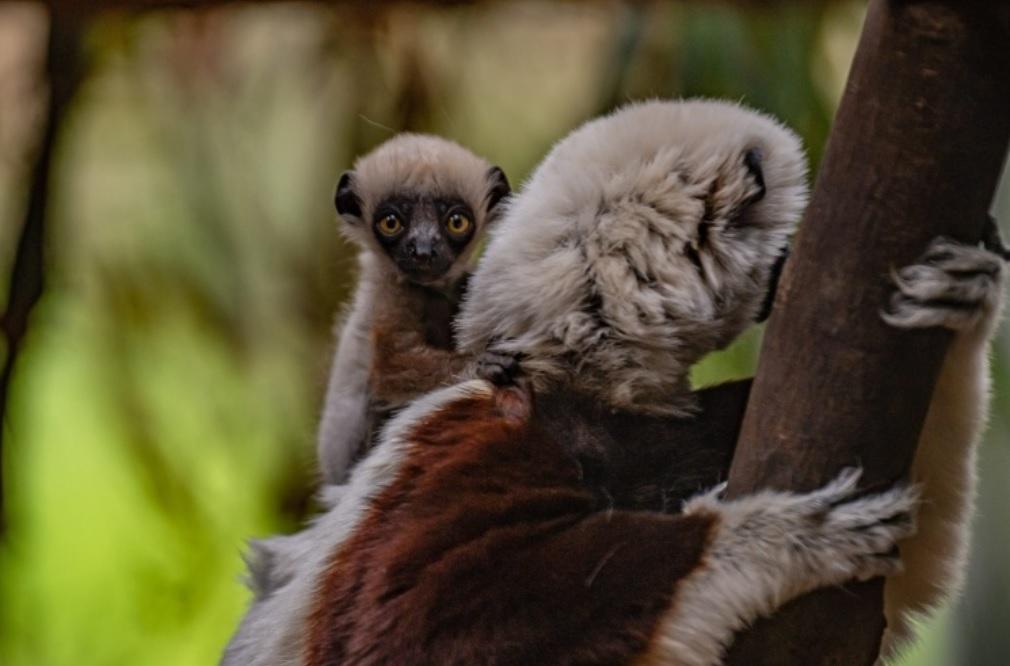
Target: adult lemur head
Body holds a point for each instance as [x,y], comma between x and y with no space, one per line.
[643,241]
[420,202]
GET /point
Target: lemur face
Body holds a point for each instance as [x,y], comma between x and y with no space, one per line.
[422,203]
[423,235]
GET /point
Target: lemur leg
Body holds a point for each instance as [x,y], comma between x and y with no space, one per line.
[771,547]
[961,288]
[343,427]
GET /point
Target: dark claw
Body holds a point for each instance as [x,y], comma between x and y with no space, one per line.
[993,240]
[752,160]
[499,368]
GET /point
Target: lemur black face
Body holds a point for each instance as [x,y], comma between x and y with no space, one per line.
[423,236]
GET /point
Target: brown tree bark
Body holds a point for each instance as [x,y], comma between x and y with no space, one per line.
[915,153]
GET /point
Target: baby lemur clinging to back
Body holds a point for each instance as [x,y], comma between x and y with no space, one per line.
[417,206]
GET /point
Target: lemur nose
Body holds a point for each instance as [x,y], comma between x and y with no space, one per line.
[420,249]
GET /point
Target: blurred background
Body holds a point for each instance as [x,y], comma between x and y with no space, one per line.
[164,398]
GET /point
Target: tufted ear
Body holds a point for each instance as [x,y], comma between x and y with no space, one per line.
[346,199]
[752,160]
[498,187]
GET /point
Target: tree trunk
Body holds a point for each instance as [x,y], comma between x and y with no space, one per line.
[915,153]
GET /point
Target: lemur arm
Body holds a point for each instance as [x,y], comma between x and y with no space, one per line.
[344,425]
[961,288]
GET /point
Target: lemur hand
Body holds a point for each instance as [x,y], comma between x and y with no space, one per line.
[954,285]
[499,368]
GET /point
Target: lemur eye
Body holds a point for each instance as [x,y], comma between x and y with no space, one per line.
[390,225]
[458,224]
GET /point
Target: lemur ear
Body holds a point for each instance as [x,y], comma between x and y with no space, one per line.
[752,160]
[346,200]
[498,187]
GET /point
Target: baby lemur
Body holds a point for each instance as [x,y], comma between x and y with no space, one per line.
[417,206]
[475,533]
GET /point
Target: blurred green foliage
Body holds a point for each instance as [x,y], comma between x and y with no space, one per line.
[164,407]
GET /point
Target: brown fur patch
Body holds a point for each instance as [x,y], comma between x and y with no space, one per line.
[413,346]
[490,547]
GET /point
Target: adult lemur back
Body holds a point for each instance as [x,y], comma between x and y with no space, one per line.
[475,532]
[417,206]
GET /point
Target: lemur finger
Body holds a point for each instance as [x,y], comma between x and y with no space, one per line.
[868,567]
[881,517]
[906,312]
[925,283]
[954,257]
[838,491]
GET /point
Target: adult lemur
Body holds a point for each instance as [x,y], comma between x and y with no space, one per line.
[479,532]
[618,296]
[600,299]
[418,206]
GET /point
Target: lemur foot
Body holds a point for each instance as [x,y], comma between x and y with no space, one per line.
[953,286]
[499,368]
[800,542]
[771,547]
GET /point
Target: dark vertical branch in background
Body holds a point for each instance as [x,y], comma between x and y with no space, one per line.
[915,153]
[27,275]
[630,29]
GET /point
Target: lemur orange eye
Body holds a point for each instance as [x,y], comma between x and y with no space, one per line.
[458,224]
[390,225]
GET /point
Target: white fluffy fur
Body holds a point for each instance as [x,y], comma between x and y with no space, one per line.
[945,461]
[272,630]
[770,548]
[589,274]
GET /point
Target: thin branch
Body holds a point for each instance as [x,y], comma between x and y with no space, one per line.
[28,273]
